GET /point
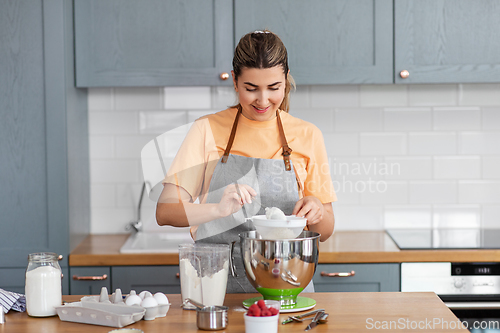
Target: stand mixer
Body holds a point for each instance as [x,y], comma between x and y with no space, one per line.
[281,269]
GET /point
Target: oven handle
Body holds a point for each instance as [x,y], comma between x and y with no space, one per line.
[472,305]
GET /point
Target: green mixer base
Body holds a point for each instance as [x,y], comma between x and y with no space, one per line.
[302,304]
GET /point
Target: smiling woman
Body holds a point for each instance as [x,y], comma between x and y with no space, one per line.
[238,161]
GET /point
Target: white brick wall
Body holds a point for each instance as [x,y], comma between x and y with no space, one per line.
[400,155]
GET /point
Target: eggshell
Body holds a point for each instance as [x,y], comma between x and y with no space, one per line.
[133,300]
[161,298]
[149,302]
[144,294]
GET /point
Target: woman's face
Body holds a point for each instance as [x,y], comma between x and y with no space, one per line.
[260,92]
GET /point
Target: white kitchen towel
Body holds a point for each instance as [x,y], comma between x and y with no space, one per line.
[11,300]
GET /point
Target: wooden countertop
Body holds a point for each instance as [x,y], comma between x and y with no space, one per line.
[349,312]
[342,247]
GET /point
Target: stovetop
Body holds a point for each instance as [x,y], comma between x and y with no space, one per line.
[446,239]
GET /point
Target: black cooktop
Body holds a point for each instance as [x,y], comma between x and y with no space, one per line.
[447,239]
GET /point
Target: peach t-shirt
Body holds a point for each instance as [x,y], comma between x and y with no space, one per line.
[206,141]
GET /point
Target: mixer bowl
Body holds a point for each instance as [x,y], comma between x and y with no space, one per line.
[280,269]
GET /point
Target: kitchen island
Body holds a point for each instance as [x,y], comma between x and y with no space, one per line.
[349,312]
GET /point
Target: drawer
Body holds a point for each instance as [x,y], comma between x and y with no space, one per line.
[367,277]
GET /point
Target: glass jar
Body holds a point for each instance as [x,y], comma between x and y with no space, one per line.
[43,284]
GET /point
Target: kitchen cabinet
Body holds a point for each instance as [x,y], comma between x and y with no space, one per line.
[367,277]
[447,41]
[150,278]
[90,280]
[176,43]
[44,196]
[328,42]
[153,42]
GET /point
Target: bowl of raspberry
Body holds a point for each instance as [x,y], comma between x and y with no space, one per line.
[262,316]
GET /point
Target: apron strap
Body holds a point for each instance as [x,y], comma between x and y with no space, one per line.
[286,149]
[231,136]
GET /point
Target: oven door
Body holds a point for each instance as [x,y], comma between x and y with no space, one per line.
[478,315]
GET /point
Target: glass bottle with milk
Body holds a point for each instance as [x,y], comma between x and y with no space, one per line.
[43,284]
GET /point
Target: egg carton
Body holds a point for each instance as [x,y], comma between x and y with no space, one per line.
[96,313]
[114,310]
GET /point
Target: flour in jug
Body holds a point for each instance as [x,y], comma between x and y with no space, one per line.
[208,290]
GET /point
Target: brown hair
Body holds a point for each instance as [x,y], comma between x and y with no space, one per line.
[263,49]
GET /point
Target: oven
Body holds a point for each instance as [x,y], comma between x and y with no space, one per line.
[470,290]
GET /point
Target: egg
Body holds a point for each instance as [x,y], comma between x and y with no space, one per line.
[144,294]
[161,298]
[149,302]
[151,306]
[133,300]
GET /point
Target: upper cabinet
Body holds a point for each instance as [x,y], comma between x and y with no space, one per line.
[153,42]
[447,41]
[328,42]
[176,43]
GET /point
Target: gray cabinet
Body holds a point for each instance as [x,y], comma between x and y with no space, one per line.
[367,277]
[90,280]
[328,41]
[176,43]
[447,41]
[153,42]
[150,278]
[44,172]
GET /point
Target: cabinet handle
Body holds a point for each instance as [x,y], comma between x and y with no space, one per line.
[177,275]
[404,74]
[90,278]
[224,76]
[352,273]
[60,257]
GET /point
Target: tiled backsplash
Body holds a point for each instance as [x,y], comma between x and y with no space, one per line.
[400,155]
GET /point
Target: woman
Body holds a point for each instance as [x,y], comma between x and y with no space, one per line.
[251,156]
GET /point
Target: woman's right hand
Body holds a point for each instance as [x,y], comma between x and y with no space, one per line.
[234,197]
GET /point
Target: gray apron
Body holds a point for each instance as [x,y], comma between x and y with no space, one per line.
[276,185]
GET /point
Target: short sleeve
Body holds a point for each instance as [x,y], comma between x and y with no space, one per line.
[188,167]
[319,182]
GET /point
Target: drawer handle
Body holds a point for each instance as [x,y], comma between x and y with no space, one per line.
[352,273]
[90,278]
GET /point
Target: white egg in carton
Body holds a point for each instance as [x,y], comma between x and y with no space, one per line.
[156,305]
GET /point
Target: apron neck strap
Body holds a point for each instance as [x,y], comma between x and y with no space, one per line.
[231,136]
[284,144]
[286,149]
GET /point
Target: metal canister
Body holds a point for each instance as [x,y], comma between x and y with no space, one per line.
[212,318]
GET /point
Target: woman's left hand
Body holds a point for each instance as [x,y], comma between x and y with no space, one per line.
[311,208]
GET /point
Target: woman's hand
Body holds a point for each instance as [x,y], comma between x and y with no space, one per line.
[311,208]
[234,197]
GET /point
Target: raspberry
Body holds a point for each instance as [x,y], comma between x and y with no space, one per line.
[266,313]
[254,311]
[273,311]
[262,304]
